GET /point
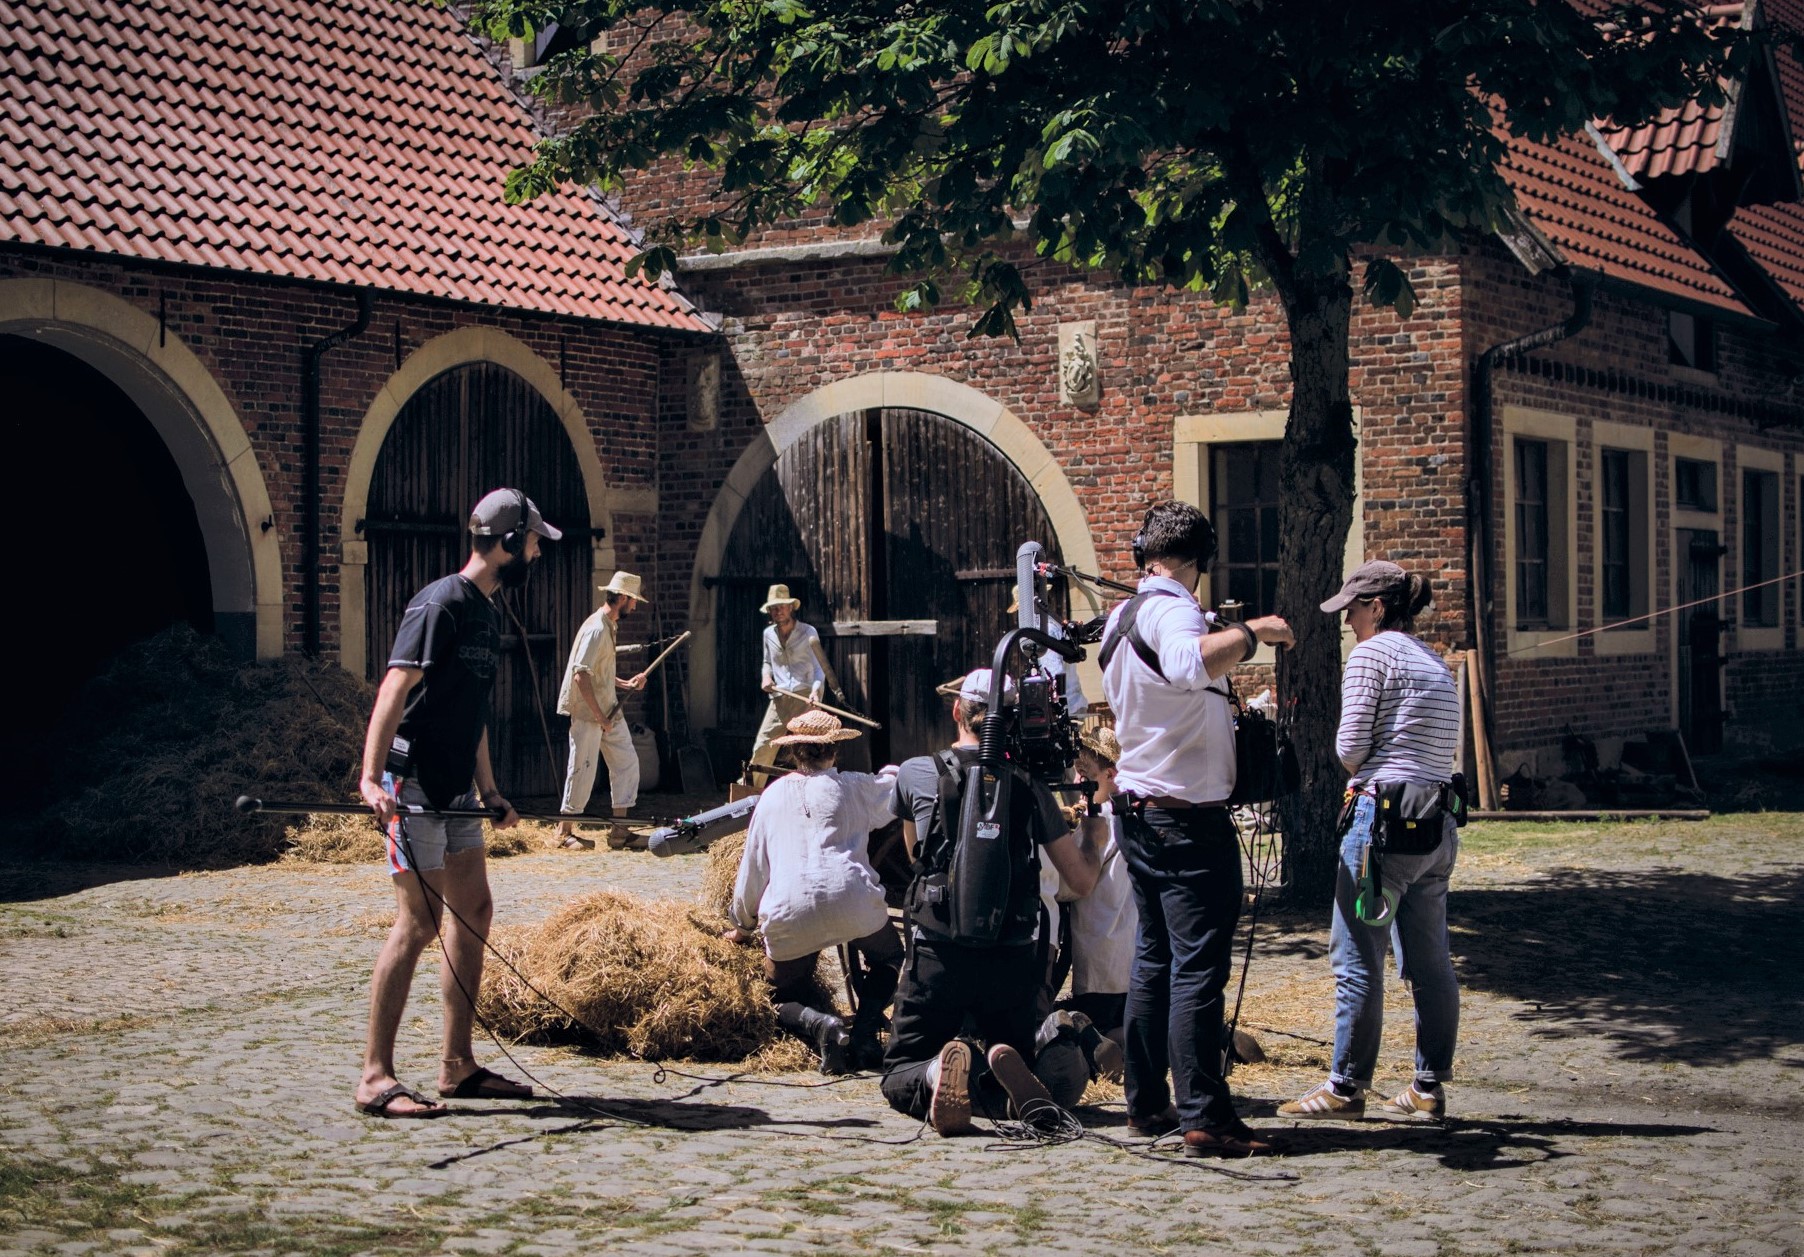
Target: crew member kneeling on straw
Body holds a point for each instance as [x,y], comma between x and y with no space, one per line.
[427,743]
[806,880]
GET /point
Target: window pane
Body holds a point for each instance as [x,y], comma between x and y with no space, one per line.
[1244,479]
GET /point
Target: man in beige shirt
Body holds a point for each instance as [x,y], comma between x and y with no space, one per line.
[591,698]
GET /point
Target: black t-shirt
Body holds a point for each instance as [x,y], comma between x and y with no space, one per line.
[451,632]
[917,788]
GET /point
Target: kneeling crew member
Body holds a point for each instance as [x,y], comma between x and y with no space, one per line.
[806,880]
[945,983]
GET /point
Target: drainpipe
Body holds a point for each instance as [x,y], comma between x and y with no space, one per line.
[1478,487]
[311,356]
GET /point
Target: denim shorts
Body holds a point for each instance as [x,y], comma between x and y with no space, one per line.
[422,842]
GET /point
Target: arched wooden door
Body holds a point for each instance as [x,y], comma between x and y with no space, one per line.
[874,518]
[475,428]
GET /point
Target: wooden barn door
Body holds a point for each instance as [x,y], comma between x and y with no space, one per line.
[476,428]
[877,518]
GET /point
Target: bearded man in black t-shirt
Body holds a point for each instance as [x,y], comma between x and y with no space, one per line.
[428,745]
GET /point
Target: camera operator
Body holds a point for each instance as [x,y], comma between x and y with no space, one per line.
[1163,675]
[945,982]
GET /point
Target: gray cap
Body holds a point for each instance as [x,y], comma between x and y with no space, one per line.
[499,514]
[1371,580]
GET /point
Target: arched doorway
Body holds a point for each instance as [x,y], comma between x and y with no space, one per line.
[471,429]
[123,555]
[877,518]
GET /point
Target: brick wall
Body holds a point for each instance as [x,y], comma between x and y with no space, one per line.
[249,333]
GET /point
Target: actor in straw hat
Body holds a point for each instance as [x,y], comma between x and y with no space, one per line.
[794,661]
[428,745]
[591,698]
[806,881]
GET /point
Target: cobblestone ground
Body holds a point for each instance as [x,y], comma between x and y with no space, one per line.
[177,1055]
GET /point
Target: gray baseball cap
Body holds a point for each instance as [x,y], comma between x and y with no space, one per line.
[499,513]
[1372,579]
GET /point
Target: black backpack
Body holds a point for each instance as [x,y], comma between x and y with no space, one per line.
[1010,882]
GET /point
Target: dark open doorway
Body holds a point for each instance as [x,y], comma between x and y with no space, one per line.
[118,553]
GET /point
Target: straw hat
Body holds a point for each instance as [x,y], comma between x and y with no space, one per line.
[1102,743]
[624,583]
[777,596]
[817,727]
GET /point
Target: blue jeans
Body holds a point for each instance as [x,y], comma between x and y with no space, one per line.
[1185,866]
[1419,934]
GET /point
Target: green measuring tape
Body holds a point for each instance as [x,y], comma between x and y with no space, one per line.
[1375,903]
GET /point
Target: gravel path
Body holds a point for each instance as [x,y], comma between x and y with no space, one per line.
[177,1055]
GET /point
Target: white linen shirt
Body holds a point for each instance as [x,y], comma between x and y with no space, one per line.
[1177,735]
[806,876]
[792,665]
[592,653]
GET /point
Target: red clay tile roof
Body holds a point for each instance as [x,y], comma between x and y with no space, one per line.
[357,141]
[1572,194]
[1774,234]
[1680,142]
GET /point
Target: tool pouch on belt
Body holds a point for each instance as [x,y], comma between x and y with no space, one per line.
[1410,816]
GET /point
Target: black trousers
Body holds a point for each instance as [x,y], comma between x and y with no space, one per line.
[948,990]
[1185,866]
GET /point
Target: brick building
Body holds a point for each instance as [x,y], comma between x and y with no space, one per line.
[268,328]
[190,223]
[1599,403]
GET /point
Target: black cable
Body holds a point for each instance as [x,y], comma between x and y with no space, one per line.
[1015,1136]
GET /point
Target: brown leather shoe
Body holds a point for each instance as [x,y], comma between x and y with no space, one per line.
[1154,1124]
[1237,1141]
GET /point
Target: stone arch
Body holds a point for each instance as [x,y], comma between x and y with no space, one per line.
[911,390]
[198,424]
[455,348]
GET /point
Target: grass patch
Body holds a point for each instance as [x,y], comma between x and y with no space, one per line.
[85,1204]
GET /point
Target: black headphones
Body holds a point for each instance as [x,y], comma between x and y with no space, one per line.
[1203,555]
[514,542]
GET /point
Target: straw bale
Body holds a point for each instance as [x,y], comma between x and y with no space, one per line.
[625,975]
[721,874]
[153,751]
[339,839]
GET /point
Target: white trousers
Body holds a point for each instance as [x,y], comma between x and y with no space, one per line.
[587,745]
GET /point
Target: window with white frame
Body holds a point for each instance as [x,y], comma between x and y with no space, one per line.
[1759,548]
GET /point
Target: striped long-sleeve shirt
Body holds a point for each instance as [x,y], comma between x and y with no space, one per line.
[1399,712]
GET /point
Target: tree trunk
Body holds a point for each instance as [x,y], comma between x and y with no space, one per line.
[1314,514]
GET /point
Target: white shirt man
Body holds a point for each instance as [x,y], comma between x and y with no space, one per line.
[590,696]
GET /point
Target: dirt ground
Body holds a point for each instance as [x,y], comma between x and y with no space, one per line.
[177,1053]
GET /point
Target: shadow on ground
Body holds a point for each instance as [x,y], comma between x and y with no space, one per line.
[1673,967]
[1500,1143]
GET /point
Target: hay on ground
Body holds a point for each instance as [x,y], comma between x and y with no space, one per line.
[721,874]
[341,839]
[625,975]
[152,752]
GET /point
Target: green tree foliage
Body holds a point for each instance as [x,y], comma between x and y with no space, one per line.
[1211,145]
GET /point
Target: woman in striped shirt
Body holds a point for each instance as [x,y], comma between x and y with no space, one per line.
[1399,724]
